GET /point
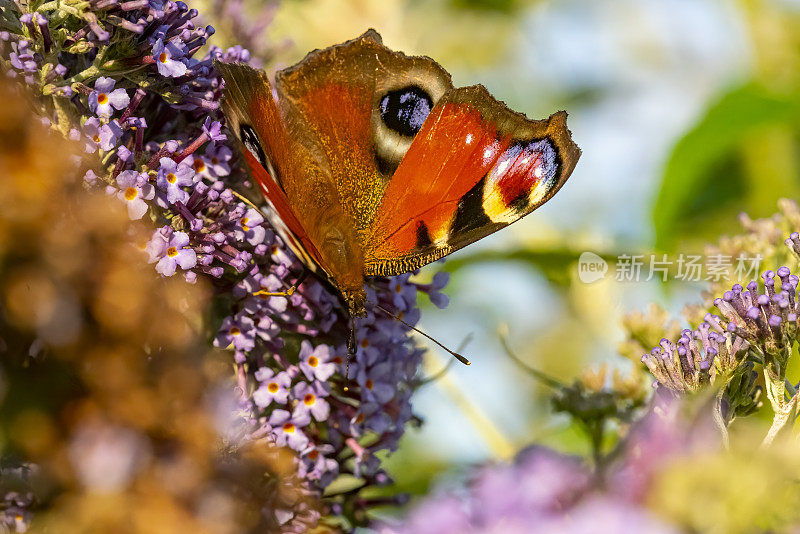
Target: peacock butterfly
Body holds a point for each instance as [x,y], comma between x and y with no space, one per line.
[373,164]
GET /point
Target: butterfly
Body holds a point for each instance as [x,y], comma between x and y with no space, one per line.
[373,164]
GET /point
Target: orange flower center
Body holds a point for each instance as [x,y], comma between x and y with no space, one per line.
[243,222]
[369,384]
[272,387]
[172,252]
[337,360]
[364,343]
[214,161]
[96,138]
[309,399]
[313,455]
[198,165]
[102,98]
[360,418]
[288,428]
[163,57]
[398,289]
[234,331]
[313,361]
[171,178]
[131,193]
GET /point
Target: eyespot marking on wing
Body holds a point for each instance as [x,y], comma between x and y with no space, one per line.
[401,106]
[404,110]
[521,177]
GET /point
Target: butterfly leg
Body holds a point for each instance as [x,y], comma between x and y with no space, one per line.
[289,292]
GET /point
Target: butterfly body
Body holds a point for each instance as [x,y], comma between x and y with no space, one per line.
[373,164]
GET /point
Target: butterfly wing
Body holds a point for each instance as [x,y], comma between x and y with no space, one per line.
[378,150]
[338,94]
[254,117]
[474,168]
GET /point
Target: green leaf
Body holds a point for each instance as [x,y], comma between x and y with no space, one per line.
[740,156]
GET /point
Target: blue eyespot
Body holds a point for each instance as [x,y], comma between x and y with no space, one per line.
[405,110]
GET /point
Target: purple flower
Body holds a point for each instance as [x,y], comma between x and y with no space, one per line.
[134,190]
[169,59]
[213,129]
[310,400]
[316,362]
[90,177]
[238,331]
[172,177]
[274,387]
[22,58]
[250,228]
[439,299]
[105,97]
[318,465]
[105,136]
[286,429]
[218,157]
[377,383]
[404,294]
[200,165]
[177,251]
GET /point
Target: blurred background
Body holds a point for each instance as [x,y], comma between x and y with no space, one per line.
[687,114]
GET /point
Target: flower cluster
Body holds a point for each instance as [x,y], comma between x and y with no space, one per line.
[544,491]
[767,319]
[122,79]
[698,357]
[759,326]
[295,352]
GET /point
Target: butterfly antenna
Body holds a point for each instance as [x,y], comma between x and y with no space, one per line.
[452,353]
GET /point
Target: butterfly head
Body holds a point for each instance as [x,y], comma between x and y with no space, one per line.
[355,302]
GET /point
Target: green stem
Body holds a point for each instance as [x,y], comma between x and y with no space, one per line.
[777,386]
[719,419]
[86,74]
[542,377]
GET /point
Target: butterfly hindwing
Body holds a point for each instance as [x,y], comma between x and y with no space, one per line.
[475,167]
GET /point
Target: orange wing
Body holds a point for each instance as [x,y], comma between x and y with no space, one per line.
[473,168]
[253,116]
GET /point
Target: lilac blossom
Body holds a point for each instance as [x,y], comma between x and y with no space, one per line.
[316,362]
[169,59]
[172,177]
[287,428]
[217,160]
[177,251]
[22,58]
[104,136]
[134,190]
[251,227]
[104,99]
[274,387]
[310,399]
